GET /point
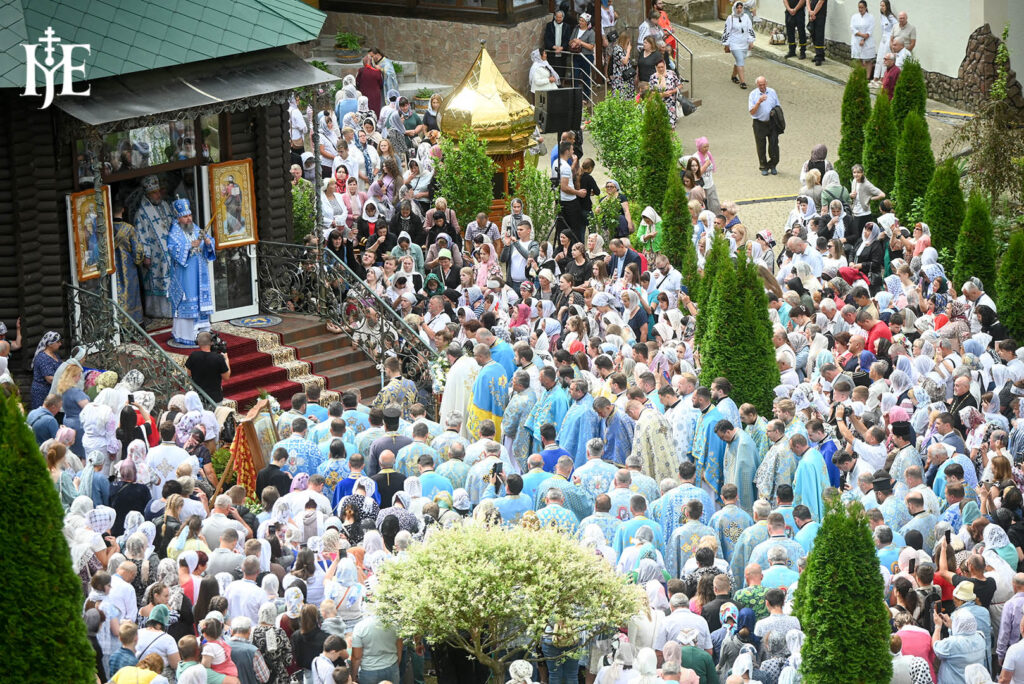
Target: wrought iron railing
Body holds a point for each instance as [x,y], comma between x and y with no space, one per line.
[112,340]
[307,280]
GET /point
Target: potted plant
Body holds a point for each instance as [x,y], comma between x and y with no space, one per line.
[348,46]
[422,99]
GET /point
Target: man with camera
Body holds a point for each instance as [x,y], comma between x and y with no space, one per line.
[209,367]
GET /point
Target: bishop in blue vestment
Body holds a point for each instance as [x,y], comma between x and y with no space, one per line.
[189,290]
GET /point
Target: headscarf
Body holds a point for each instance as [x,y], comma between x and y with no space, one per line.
[728,612]
[292,602]
[370,487]
[743,665]
[92,459]
[830,179]
[51,337]
[520,671]
[101,518]
[964,623]
[541,64]
[646,665]
[795,643]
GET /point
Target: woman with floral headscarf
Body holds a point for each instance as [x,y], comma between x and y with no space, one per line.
[44,365]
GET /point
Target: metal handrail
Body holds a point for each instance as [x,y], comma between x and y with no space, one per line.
[112,319]
[593,70]
[293,280]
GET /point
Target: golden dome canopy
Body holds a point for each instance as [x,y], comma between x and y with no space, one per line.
[490,107]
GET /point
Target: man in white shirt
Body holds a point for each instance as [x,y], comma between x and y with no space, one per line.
[518,255]
[667,279]
[760,104]
[245,596]
[219,520]
[973,297]
[163,459]
[314,490]
[900,52]
[436,318]
[682,618]
[568,195]
[122,593]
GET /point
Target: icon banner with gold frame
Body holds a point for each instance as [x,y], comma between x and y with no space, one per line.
[233,203]
[85,226]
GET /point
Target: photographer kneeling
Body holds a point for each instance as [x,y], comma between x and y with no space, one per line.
[207,367]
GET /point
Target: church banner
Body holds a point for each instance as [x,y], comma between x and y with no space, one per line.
[87,229]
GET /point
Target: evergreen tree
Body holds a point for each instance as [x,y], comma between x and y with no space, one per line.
[975,247]
[717,257]
[879,158]
[855,114]
[43,634]
[840,603]
[944,211]
[1010,287]
[675,221]
[724,329]
[756,374]
[915,165]
[658,154]
[910,93]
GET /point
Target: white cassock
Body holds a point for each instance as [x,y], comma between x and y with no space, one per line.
[458,391]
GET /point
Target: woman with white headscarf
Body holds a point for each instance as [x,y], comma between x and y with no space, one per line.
[196,415]
[328,134]
[794,642]
[965,645]
[99,427]
[542,74]
[273,644]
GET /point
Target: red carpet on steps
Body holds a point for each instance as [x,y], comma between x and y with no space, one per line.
[251,371]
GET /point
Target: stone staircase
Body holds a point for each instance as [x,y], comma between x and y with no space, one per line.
[408,78]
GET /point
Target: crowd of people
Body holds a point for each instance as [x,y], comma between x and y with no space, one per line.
[570,396]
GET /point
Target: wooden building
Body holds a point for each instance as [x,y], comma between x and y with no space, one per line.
[219,74]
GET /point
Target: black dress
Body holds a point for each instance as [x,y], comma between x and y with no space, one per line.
[645,65]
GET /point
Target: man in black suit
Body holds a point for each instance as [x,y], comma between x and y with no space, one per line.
[273,476]
[622,256]
[556,42]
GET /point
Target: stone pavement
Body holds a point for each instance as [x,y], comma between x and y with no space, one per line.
[812,102]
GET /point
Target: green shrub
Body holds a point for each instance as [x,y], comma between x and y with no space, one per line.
[975,248]
[756,374]
[880,141]
[944,209]
[840,602]
[1010,287]
[615,126]
[717,257]
[303,211]
[910,93]
[43,634]
[465,174]
[855,114]
[915,165]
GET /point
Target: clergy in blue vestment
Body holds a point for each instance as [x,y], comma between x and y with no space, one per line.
[616,429]
[906,454]
[626,534]
[738,462]
[676,500]
[595,475]
[720,390]
[807,527]
[685,538]
[707,448]
[811,476]
[581,422]
[921,520]
[551,407]
[153,220]
[399,391]
[818,439]
[516,437]
[893,510]
[777,537]
[490,394]
[729,521]
[189,289]
[129,255]
[749,539]
[501,351]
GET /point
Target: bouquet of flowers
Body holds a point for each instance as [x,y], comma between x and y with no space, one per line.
[439,373]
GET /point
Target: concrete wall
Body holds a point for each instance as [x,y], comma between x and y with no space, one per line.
[943,26]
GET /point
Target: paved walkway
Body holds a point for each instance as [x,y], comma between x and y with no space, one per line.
[811,98]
